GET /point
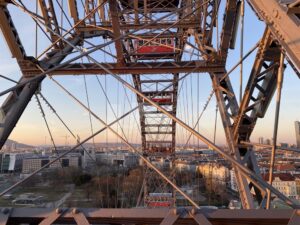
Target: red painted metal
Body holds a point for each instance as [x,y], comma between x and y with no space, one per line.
[162,100]
[157,46]
[159,204]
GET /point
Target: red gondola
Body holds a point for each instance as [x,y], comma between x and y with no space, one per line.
[155,46]
[162,100]
[159,204]
[159,200]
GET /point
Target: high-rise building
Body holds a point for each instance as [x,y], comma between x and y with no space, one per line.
[297,129]
[261,140]
[267,141]
[11,162]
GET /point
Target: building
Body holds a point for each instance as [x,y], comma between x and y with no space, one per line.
[11,162]
[184,165]
[297,180]
[233,183]
[70,160]
[89,157]
[118,158]
[31,164]
[297,130]
[285,183]
[267,141]
[218,173]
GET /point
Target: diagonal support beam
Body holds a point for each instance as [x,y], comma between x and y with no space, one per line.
[79,217]
[4,216]
[262,80]
[229,103]
[295,219]
[53,217]
[257,97]
[113,7]
[10,34]
[228,27]
[48,12]
[16,102]
[200,219]
[89,7]
[171,218]
[284,26]
[73,10]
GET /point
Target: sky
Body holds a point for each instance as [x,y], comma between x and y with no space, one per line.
[194,92]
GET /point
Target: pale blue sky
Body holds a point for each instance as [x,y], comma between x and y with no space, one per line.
[31,128]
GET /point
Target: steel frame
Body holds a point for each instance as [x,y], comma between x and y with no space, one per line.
[148,216]
[281,18]
[158,137]
[199,66]
[122,20]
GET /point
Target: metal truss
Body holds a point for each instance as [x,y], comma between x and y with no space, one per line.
[199,66]
[226,99]
[125,22]
[282,17]
[12,109]
[48,12]
[149,216]
[257,97]
[157,131]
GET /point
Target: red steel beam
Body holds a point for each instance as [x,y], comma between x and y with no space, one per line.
[135,68]
[157,215]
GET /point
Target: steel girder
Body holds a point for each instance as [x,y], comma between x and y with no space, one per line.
[73,10]
[16,102]
[210,11]
[237,122]
[282,18]
[12,38]
[227,103]
[47,216]
[228,108]
[10,33]
[89,7]
[229,24]
[129,26]
[226,98]
[199,66]
[48,12]
[157,131]
[262,81]
[257,97]
[114,13]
